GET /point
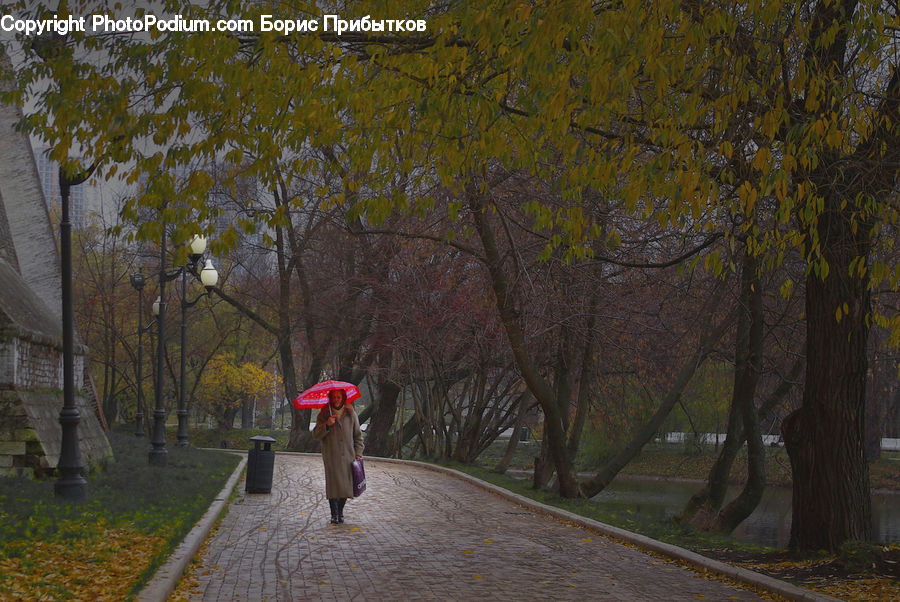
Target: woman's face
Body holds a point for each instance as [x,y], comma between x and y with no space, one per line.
[336,398]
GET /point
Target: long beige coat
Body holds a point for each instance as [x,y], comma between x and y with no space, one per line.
[340,446]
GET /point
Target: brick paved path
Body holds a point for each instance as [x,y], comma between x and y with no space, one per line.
[418,534]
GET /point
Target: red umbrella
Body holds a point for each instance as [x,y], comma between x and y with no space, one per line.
[317,395]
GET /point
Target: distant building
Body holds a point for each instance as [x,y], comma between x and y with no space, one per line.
[251,255]
[80,197]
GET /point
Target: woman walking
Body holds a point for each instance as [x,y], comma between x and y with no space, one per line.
[337,427]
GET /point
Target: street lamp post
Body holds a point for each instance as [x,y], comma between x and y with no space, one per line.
[209,277]
[158,455]
[70,484]
[138,281]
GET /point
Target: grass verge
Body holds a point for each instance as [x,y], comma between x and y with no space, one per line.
[107,547]
[680,462]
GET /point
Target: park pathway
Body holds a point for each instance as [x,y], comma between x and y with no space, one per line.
[418,534]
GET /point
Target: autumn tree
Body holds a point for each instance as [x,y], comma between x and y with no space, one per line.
[687,112]
[105,310]
[226,385]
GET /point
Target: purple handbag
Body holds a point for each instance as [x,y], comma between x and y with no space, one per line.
[359,477]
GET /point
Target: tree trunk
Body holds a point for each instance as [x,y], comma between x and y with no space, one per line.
[503,464]
[228,417]
[893,414]
[875,403]
[378,440]
[704,506]
[748,365]
[588,361]
[543,465]
[300,438]
[706,503]
[246,415]
[366,414]
[110,403]
[825,437]
[746,502]
[468,427]
[407,433]
[554,421]
[525,401]
[736,436]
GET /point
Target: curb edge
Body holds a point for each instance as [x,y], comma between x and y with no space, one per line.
[166,578]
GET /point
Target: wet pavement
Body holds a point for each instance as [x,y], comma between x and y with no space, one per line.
[420,534]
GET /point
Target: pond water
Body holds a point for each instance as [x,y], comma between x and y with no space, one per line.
[769,525]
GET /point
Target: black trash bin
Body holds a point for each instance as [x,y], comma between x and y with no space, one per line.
[260,465]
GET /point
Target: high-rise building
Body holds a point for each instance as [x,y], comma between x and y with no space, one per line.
[79,196]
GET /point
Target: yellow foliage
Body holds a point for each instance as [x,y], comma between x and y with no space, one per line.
[105,568]
[650,82]
[862,587]
[225,384]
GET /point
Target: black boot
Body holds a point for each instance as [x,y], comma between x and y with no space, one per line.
[334,510]
[340,509]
